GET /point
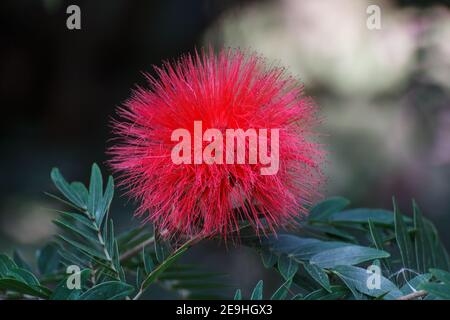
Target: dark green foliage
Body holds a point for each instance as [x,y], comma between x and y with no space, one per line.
[328,257]
[333,250]
[105,261]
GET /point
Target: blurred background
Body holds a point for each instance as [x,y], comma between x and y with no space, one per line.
[384,96]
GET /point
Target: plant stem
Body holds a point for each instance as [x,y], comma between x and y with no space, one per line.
[102,243]
[414,295]
[92,274]
[137,249]
[188,244]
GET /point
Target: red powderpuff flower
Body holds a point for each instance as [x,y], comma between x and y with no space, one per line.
[230,90]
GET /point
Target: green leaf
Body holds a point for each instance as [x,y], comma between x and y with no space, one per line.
[80,189]
[20,262]
[439,253]
[337,292]
[127,236]
[106,201]
[376,263]
[138,240]
[110,290]
[87,250]
[269,259]
[356,278]
[443,260]
[78,218]
[376,237]
[6,264]
[322,210]
[238,295]
[24,276]
[61,291]
[148,261]
[299,248]
[22,288]
[161,250]
[377,241]
[422,242]
[164,265]
[257,293]
[440,290]
[139,277]
[110,237]
[403,240]
[288,244]
[362,215]
[349,255]
[330,230]
[95,193]
[67,190]
[304,280]
[72,258]
[48,259]
[116,261]
[81,231]
[413,284]
[441,275]
[319,275]
[287,267]
[282,291]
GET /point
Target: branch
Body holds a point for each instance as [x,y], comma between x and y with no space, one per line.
[137,249]
[103,245]
[163,265]
[414,295]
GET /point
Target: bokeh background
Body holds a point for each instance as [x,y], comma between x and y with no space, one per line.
[384,96]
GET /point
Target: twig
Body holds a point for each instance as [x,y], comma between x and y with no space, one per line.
[137,249]
[102,243]
[414,295]
[186,245]
[92,274]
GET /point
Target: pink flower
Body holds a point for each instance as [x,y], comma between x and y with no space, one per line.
[231,90]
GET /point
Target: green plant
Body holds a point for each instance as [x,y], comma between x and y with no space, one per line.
[329,256]
[110,266]
[326,258]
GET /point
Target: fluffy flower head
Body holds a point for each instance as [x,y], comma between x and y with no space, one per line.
[230,90]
